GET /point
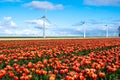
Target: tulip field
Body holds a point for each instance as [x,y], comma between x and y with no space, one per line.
[60,59]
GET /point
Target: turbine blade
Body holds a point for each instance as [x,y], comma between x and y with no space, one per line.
[47,20]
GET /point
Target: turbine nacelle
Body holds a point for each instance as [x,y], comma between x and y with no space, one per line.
[43,17]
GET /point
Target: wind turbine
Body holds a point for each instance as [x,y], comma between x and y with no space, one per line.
[44,18]
[107,32]
[83,23]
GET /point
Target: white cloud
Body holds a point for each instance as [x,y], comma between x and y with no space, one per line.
[39,23]
[8,32]
[102,2]
[7,18]
[13,24]
[43,5]
[21,32]
[27,32]
[8,22]
[1,26]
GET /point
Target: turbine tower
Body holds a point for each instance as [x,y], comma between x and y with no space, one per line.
[107,33]
[83,23]
[44,19]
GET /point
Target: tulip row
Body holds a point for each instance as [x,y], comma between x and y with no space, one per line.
[88,59]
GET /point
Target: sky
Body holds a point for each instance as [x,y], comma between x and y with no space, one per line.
[63,17]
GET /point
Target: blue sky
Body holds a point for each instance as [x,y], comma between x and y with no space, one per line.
[22,17]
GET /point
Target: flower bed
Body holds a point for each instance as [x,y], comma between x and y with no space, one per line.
[89,59]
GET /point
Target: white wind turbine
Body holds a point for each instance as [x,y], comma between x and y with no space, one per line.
[46,23]
[44,18]
[84,33]
[107,31]
[82,24]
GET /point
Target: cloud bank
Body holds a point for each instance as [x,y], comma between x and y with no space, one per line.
[102,2]
[21,32]
[38,23]
[8,22]
[43,5]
